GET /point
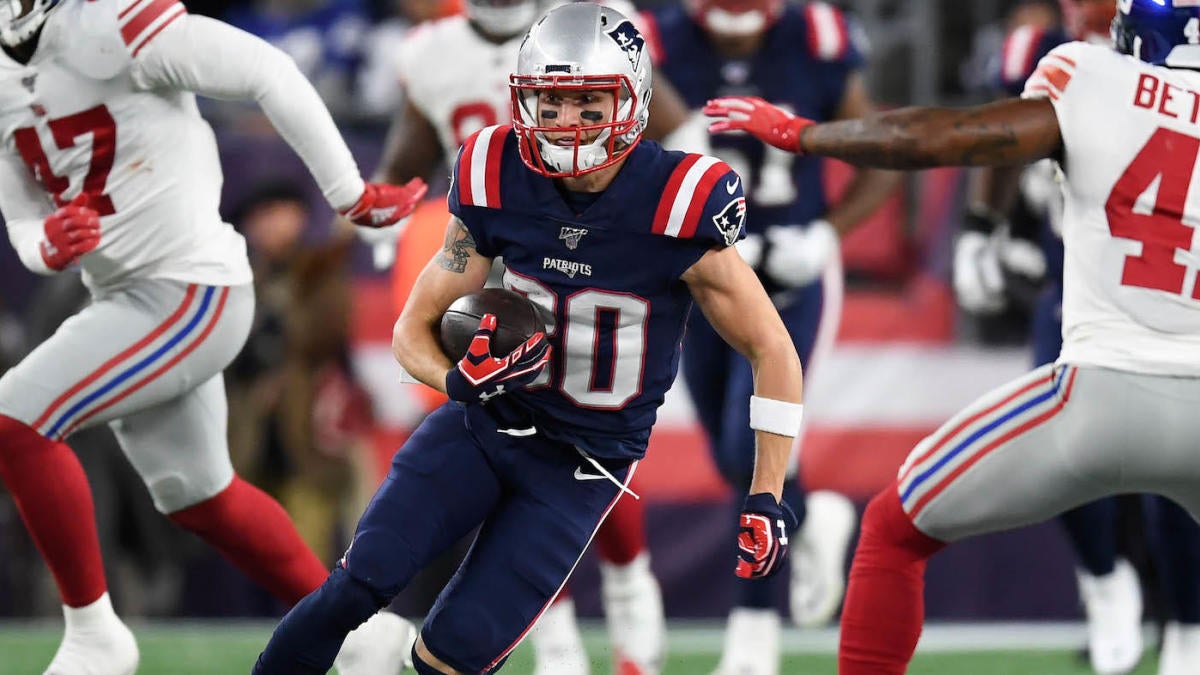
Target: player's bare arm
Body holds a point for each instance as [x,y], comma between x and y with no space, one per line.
[734,302]
[455,270]
[1006,133]
[870,187]
[412,149]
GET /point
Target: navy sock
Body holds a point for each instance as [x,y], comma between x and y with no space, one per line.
[308,639]
[1174,539]
[769,593]
[1092,529]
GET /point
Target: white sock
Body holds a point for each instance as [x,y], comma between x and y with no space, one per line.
[752,640]
[95,615]
[619,576]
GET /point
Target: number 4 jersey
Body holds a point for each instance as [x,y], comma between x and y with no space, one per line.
[609,271]
[1131,136]
[105,107]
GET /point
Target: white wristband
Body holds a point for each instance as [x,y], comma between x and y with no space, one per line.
[776,417]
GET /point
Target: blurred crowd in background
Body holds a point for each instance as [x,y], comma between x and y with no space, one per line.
[303,423]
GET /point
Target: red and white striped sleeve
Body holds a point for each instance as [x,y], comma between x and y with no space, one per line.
[1053,74]
[142,20]
[828,31]
[702,199]
[477,172]
[1019,55]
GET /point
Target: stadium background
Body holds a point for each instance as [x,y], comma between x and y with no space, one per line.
[905,359]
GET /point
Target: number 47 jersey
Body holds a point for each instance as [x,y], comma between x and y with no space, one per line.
[608,270]
[89,114]
[1131,137]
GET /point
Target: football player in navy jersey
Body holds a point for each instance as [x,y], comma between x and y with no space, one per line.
[805,58]
[1010,242]
[616,239]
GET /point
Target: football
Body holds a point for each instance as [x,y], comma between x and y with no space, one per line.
[517,320]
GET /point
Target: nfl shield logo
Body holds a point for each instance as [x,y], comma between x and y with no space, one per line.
[571,236]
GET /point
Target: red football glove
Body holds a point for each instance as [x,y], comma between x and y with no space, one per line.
[758,118]
[762,536]
[480,376]
[71,231]
[381,204]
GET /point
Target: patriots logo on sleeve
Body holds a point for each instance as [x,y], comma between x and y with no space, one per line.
[731,220]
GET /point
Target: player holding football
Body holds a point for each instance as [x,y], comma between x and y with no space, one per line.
[617,238]
[454,72]
[1115,413]
[806,58]
[107,165]
[997,260]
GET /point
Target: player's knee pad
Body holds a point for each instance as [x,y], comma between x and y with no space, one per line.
[176,491]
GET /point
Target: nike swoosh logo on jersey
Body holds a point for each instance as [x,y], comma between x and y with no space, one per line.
[732,187]
[580,475]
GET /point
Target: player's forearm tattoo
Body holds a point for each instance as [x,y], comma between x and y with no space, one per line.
[919,138]
[456,249]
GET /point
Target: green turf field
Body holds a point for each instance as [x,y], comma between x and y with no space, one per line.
[192,649]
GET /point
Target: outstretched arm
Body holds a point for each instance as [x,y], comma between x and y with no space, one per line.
[1009,132]
[214,59]
[1015,131]
[870,187]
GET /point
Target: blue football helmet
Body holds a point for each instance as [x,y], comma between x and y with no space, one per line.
[1161,32]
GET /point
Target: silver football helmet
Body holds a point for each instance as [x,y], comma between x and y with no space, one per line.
[502,18]
[582,47]
[17,25]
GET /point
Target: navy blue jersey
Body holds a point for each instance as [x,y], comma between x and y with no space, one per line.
[804,64]
[610,274]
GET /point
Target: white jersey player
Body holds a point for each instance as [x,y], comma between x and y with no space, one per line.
[1116,413]
[106,164]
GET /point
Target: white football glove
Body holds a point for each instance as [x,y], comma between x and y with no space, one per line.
[798,256]
[978,279]
[382,241]
[985,264]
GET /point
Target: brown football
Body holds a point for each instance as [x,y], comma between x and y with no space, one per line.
[517,320]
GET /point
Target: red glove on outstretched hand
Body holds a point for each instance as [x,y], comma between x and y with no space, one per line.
[381,204]
[768,123]
[71,231]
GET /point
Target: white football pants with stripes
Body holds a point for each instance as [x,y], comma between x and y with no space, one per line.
[1056,438]
[145,358]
